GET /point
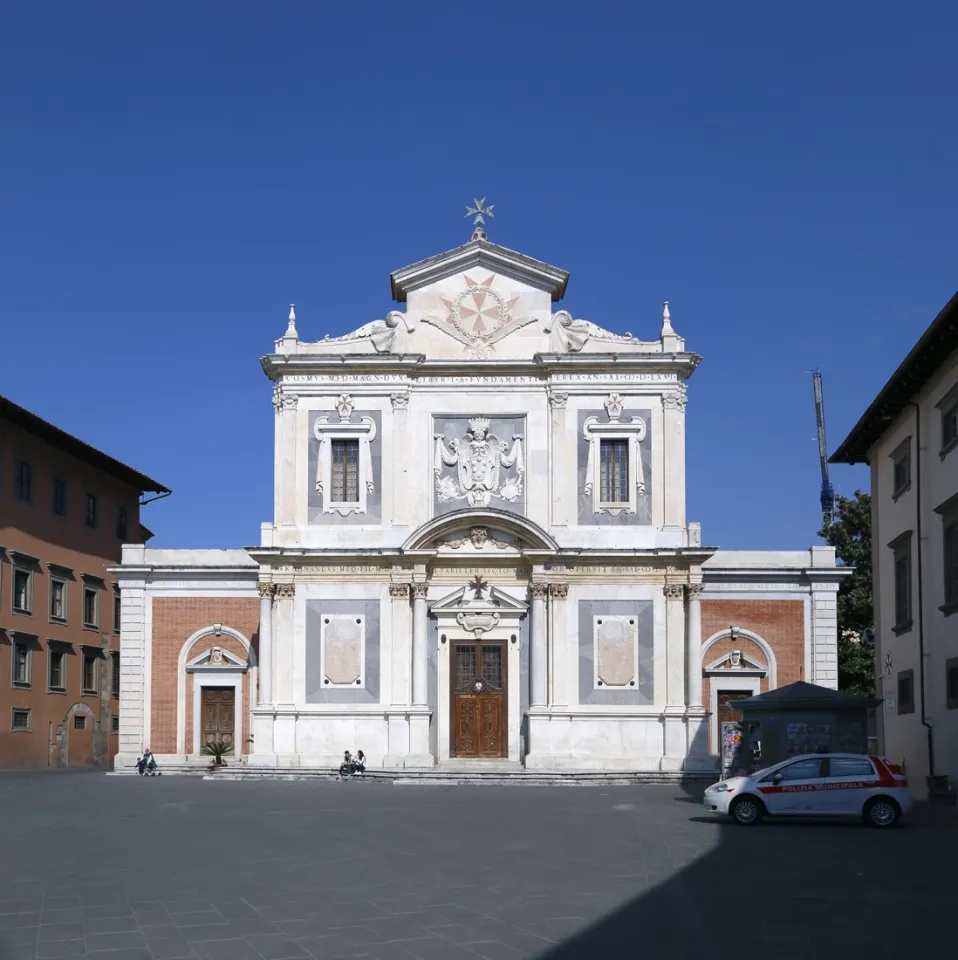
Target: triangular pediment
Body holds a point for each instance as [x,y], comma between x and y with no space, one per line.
[479,254]
[736,662]
[216,658]
[464,599]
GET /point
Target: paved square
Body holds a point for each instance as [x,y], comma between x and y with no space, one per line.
[167,868]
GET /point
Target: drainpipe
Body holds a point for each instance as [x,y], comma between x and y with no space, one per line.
[921,599]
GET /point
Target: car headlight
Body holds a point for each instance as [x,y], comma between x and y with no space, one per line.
[718,788]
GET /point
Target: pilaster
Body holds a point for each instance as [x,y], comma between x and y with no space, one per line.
[563,473]
[537,648]
[135,699]
[558,645]
[265,657]
[284,458]
[401,467]
[673,457]
[283,622]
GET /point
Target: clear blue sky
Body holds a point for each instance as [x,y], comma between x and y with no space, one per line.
[173,175]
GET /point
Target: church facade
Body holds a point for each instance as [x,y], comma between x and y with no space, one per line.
[479,555]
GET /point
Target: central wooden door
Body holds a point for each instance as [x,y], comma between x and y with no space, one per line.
[219,714]
[479,702]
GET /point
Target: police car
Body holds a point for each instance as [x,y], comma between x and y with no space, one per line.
[816,785]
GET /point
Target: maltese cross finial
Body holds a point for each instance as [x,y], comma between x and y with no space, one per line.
[479,211]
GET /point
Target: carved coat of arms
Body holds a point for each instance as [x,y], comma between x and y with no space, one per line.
[479,459]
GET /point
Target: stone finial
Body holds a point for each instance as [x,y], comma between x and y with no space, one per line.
[291,332]
[667,330]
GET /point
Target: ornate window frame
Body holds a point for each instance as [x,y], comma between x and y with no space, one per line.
[632,429]
[328,620]
[325,431]
[631,622]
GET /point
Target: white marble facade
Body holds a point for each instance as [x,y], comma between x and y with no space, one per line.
[479,552]
[483,507]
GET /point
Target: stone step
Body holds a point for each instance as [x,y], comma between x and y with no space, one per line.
[436,777]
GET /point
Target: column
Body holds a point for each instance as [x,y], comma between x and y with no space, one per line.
[673,457]
[265,657]
[419,645]
[537,648]
[694,666]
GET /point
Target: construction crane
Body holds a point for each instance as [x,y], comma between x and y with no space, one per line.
[828,493]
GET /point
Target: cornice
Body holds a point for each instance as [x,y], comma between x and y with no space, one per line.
[413,367]
[479,252]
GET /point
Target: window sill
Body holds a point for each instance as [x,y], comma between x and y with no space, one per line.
[947,448]
[901,628]
[900,493]
[952,704]
[905,713]
[949,608]
[61,621]
[22,684]
[22,730]
[89,693]
[92,627]
[57,691]
[20,612]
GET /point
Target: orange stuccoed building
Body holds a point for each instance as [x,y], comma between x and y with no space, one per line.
[66,509]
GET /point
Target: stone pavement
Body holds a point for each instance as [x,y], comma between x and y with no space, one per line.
[167,868]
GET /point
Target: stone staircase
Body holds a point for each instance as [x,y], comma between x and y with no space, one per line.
[441,776]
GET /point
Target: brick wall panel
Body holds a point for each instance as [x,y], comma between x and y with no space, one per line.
[175,620]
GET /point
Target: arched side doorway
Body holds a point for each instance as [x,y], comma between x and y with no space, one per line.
[215,690]
[75,737]
[737,664]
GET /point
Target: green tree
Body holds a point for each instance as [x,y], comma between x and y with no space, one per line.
[851,535]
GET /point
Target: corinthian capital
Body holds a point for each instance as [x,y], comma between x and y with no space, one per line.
[676,398]
[674,591]
[539,590]
[420,590]
[559,591]
[266,590]
[285,589]
[399,589]
[695,591]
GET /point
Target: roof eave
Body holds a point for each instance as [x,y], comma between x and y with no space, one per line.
[934,346]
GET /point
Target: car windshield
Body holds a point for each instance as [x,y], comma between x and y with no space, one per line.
[758,774]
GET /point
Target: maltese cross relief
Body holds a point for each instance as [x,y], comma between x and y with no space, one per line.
[478,317]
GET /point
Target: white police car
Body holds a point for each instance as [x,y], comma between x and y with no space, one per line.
[816,785]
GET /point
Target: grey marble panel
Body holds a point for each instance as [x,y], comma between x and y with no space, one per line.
[643,516]
[373,514]
[644,693]
[505,428]
[316,691]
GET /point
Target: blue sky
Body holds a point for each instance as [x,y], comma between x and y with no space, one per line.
[173,176]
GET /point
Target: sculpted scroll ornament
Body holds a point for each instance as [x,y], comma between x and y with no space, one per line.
[570,336]
[478,458]
[284,401]
[478,537]
[675,399]
[382,334]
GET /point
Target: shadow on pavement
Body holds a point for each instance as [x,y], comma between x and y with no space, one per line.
[787,889]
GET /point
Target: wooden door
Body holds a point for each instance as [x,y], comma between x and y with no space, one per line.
[726,713]
[479,701]
[219,705]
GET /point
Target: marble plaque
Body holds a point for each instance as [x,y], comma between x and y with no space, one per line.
[343,649]
[616,649]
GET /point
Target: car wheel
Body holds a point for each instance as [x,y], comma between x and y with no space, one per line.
[881,812]
[746,811]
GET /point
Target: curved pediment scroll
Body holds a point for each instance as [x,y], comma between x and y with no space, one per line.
[384,335]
